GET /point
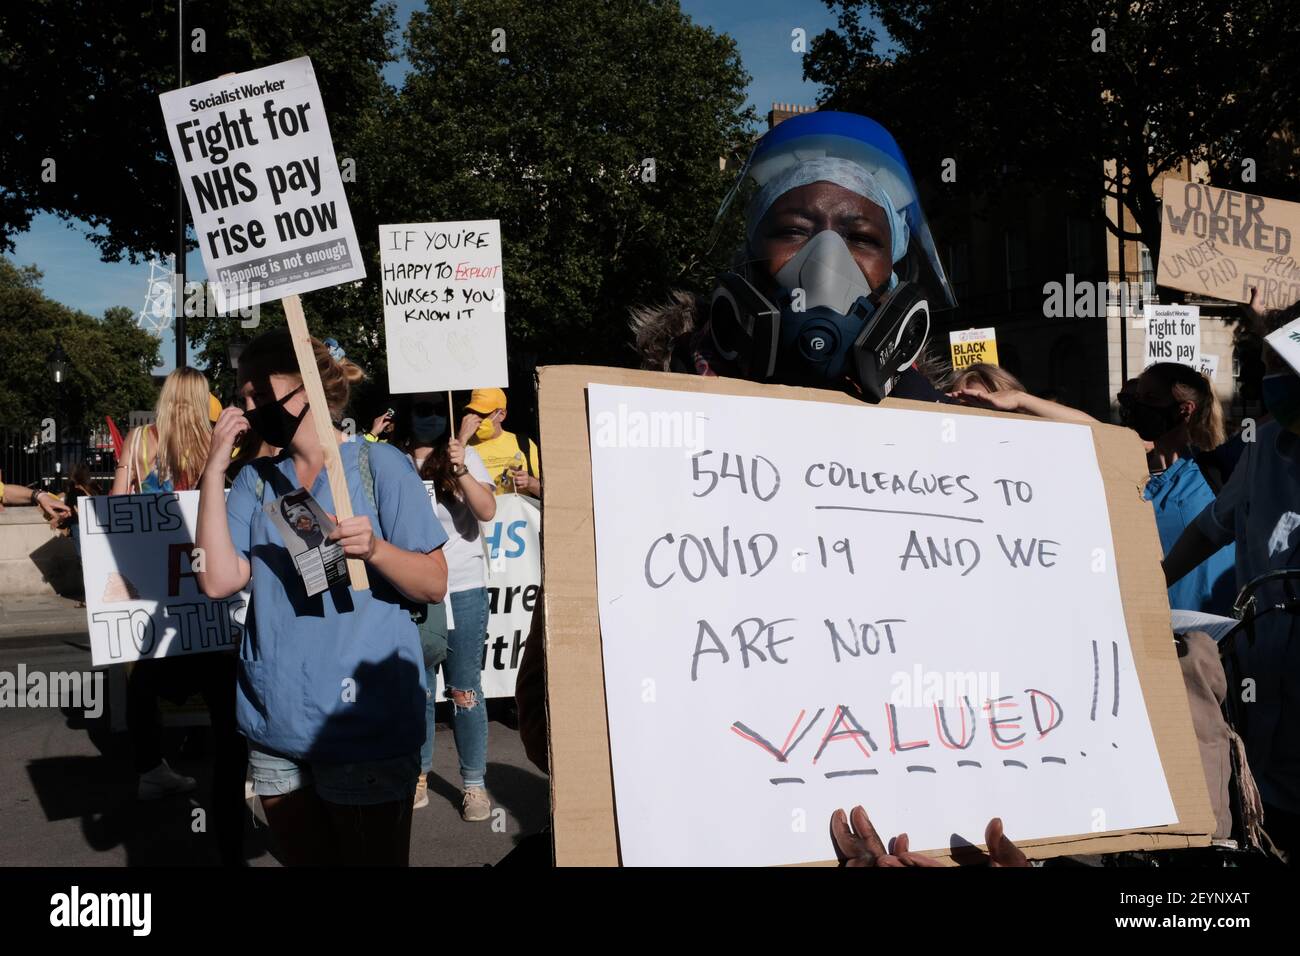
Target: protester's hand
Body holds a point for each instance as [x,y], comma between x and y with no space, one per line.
[230,427]
[469,425]
[900,849]
[381,424]
[456,452]
[1002,852]
[51,506]
[1005,401]
[856,840]
[525,483]
[1254,309]
[355,535]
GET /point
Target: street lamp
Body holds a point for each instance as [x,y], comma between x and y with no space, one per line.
[57,363]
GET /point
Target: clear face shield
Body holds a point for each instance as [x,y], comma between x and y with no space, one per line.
[867,335]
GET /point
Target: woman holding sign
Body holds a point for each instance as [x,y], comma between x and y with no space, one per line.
[331,692]
[463,493]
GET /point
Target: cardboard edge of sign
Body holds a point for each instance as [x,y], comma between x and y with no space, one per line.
[581,778]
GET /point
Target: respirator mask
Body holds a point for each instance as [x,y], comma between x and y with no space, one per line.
[827,324]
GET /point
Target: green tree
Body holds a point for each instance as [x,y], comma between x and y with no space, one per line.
[1044,93]
[591,130]
[81,80]
[110,359]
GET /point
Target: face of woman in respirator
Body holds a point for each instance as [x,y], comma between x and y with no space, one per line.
[800,214]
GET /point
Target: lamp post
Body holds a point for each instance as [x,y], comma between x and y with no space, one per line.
[57,363]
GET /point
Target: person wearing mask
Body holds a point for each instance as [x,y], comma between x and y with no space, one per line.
[834,282]
[832,288]
[463,491]
[1173,407]
[511,469]
[983,385]
[331,691]
[1259,510]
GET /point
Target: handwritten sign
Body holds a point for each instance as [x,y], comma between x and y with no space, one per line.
[1223,243]
[972,346]
[256,159]
[444,305]
[142,596]
[926,620]
[1173,334]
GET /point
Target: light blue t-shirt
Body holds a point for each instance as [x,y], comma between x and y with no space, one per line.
[338,677]
[1179,494]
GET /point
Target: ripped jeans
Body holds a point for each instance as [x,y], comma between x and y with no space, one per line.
[463,671]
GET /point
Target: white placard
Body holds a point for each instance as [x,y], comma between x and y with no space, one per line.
[514,580]
[924,619]
[142,596]
[1209,366]
[1286,341]
[265,194]
[444,306]
[1173,334]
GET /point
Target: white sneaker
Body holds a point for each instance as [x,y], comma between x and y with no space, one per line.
[163,781]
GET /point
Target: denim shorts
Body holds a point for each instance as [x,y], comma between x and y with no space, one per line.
[356,784]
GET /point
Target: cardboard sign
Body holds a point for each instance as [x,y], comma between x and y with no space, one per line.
[254,154]
[1222,243]
[1286,341]
[142,597]
[444,305]
[616,682]
[1173,334]
[972,346]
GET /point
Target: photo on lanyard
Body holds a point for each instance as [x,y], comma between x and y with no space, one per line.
[305,528]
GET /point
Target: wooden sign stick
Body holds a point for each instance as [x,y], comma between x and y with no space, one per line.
[320,417]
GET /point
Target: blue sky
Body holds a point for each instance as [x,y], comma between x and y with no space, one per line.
[75,275]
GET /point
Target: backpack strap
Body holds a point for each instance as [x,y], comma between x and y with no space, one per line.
[367,476]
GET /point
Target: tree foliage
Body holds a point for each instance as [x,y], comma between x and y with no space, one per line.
[1021,91]
[109,358]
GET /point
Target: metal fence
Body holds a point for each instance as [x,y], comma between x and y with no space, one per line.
[32,459]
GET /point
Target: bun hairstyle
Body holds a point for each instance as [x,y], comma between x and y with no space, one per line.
[1185,384]
[271,353]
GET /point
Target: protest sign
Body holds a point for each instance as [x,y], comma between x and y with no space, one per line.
[142,597]
[972,346]
[1023,574]
[1286,341]
[1209,366]
[255,156]
[444,305]
[1223,243]
[514,578]
[257,163]
[1173,334]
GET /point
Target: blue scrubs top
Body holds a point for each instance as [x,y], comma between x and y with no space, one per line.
[1179,494]
[338,677]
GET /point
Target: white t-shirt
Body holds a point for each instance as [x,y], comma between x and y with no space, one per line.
[466,568]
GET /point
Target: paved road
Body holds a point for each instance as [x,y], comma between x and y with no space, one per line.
[67,790]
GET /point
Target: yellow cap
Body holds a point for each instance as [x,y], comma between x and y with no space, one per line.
[485,401]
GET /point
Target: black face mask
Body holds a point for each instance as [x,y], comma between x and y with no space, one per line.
[1149,421]
[276,426]
[426,425]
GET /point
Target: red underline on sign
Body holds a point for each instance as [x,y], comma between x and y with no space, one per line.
[896,511]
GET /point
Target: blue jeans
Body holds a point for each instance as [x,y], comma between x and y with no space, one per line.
[463,671]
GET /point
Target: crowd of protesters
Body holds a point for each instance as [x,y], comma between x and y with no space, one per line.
[329,706]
